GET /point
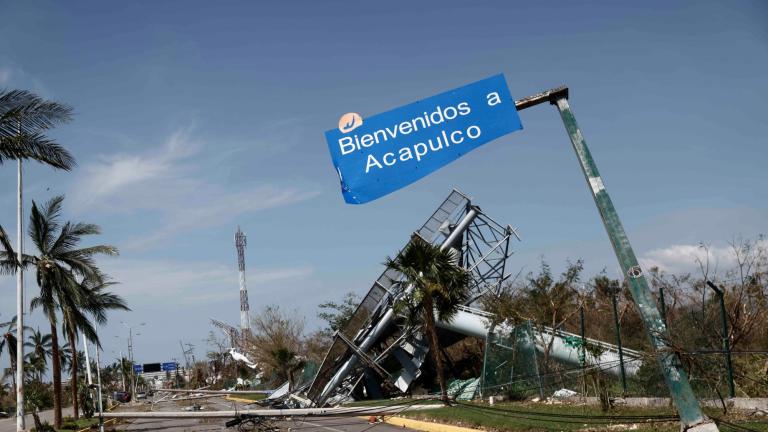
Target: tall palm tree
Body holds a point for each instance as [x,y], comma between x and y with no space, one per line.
[24,117]
[40,344]
[58,262]
[35,366]
[93,301]
[9,340]
[41,350]
[439,286]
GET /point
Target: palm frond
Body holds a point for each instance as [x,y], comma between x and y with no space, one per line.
[8,259]
[70,235]
[36,147]
[22,111]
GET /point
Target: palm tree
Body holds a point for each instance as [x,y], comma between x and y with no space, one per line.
[438,286]
[287,363]
[40,344]
[9,340]
[58,262]
[23,118]
[65,356]
[35,366]
[93,299]
[41,351]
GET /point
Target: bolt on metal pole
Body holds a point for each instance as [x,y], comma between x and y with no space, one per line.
[617,326]
[726,339]
[691,416]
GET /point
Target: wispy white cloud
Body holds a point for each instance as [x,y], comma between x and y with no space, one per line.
[167,181]
[685,258]
[188,283]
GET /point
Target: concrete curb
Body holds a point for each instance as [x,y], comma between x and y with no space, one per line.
[426,426]
[236,399]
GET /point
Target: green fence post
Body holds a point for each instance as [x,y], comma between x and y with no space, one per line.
[691,416]
[583,357]
[726,341]
[614,293]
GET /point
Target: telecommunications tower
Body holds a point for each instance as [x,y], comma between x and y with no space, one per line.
[240,243]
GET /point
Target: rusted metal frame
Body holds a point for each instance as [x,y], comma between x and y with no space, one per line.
[543,97]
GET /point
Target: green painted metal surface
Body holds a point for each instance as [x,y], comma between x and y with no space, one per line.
[726,341]
[617,329]
[676,378]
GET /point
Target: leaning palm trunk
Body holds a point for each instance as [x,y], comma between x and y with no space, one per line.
[56,368]
[73,382]
[434,345]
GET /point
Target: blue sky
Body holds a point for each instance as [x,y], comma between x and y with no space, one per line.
[195,117]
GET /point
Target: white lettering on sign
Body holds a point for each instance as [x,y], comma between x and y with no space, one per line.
[349,144]
[421,150]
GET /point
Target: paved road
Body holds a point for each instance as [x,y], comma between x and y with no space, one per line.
[309,424]
[9,424]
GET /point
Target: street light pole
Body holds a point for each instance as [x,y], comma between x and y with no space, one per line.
[133,367]
[130,355]
[726,339]
[20,305]
[98,382]
[120,367]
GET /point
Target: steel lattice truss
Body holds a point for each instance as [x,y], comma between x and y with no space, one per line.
[368,341]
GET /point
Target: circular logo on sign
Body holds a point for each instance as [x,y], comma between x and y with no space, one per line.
[349,122]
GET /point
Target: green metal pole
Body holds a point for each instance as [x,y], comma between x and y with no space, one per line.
[488,341]
[726,341]
[691,417]
[617,326]
[663,305]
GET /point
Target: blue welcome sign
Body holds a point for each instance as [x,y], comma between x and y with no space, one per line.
[378,155]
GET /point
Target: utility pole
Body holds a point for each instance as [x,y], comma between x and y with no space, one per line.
[184,352]
[245,320]
[122,373]
[133,364]
[130,356]
[726,338]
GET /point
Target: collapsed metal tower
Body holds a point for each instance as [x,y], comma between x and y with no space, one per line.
[375,336]
[240,243]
